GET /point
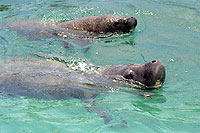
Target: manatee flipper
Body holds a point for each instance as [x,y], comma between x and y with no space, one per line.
[66,44]
[107,119]
[100,113]
[81,43]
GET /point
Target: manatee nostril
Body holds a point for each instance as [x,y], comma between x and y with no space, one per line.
[154,61]
[132,17]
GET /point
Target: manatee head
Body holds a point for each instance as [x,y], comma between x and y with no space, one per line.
[151,74]
[114,23]
[124,25]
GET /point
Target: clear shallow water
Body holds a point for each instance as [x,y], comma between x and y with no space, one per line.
[167,30]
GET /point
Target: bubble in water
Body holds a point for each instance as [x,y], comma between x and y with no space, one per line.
[171,60]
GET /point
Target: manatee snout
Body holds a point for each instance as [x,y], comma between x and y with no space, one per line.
[125,25]
[150,74]
[154,74]
[132,22]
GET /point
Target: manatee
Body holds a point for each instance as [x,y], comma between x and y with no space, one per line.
[101,24]
[92,27]
[52,80]
[49,79]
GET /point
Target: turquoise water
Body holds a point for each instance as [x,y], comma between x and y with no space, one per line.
[167,30]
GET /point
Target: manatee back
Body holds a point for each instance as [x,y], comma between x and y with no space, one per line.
[40,79]
[33,29]
[95,24]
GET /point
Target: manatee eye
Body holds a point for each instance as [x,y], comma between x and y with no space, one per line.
[120,22]
[129,76]
[116,23]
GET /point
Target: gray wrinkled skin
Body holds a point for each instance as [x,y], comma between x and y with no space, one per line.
[42,79]
[92,27]
[50,80]
[150,74]
[102,24]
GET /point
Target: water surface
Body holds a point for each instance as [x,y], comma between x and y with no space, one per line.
[167,30]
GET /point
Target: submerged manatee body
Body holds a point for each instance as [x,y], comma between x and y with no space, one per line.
[91,27]
[44,79]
